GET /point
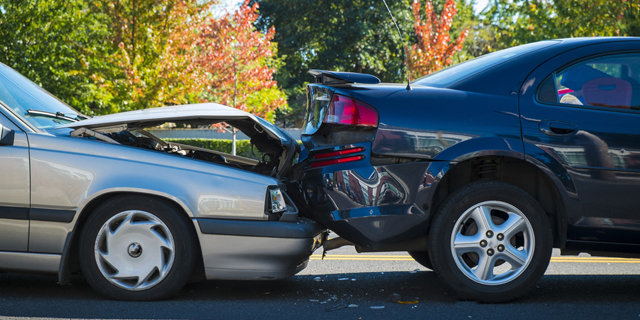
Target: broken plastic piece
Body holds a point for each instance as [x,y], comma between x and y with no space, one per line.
[377,307]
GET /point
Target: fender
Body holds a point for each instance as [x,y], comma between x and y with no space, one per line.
[64,270]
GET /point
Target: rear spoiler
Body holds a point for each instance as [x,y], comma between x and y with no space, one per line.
[336,77]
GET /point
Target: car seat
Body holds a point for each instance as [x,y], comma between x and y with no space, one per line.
[608,92]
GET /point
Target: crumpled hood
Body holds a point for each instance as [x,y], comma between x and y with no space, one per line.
[256,128]
[184,113]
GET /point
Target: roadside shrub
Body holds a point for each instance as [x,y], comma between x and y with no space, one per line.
[243,147]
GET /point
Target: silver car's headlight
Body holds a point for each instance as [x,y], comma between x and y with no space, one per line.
[277,200]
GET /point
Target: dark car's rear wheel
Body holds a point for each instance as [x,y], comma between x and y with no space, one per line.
[490,242]
[136,248]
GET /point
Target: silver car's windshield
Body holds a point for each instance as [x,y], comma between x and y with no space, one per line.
[34,104]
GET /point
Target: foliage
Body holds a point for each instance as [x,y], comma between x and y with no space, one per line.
[243,147]
[434,48]
[56,44]
[238,63]
[523,21]
[343,35]
[151,53]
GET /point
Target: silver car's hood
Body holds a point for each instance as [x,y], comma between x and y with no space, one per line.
[262,133]
[184,113]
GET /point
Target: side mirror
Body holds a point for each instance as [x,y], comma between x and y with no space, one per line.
[6,136]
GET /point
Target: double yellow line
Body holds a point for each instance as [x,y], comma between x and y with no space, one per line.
[371,257]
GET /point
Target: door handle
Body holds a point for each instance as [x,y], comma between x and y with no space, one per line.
[557,128]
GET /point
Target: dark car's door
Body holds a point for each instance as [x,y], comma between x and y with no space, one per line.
[14,187]
[583,108]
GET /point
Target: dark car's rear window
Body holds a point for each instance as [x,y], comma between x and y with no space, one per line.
[453,74]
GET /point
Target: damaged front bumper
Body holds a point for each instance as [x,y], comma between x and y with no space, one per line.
[257,250]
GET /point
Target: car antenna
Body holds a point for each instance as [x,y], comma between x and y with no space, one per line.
[404,47]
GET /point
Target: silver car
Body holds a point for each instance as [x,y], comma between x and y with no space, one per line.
[138,216]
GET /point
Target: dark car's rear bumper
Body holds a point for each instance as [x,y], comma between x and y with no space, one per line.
[372,206]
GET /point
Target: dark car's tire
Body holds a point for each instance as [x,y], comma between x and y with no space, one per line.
[136,247]
[515,244]
[422,257]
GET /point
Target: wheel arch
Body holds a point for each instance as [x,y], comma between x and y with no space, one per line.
[69,262]
[516,171]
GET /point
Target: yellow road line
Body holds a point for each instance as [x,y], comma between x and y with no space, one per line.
[370,257]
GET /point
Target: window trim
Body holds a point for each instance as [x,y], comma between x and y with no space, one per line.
[575,62]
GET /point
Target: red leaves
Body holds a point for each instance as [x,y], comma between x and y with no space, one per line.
[237,60]
[434,48]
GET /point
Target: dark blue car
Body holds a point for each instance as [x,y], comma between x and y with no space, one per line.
[479,170]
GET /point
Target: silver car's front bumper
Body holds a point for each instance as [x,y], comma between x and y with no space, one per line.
[256,250]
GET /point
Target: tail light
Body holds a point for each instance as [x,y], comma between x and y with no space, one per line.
[339,157]
[348,111]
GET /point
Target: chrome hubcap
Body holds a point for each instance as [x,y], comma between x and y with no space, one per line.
[134,250]
[492,243]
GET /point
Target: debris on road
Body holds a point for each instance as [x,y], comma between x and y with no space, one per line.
[343,306]
[377,307]
[394,297]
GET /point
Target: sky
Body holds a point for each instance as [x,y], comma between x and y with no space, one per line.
[480,4]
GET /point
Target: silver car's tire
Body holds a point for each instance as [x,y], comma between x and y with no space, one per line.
[490,242]
[137,248]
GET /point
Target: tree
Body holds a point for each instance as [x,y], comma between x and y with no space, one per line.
[152,52]
[238,63]
[343,35]
[56,44]
[434,48]
[524,21]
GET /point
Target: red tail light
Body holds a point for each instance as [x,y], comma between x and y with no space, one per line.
[351,112]
[340,153]
[335,161]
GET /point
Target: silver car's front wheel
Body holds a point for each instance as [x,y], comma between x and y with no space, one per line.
[134,250]
[136,247]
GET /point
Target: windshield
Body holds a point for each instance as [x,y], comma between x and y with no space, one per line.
[25,99]
[453,74]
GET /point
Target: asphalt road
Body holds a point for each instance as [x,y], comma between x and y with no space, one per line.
[345,285]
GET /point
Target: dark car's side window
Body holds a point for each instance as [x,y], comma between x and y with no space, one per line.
[611,81]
